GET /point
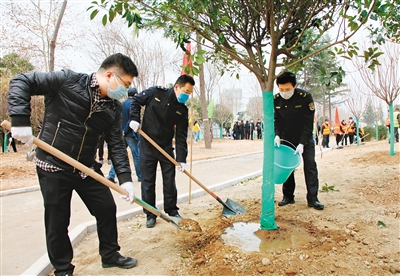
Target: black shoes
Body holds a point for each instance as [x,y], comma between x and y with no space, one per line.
[121,262]
[316,204]
[286,201]
[150,223]
[69,273]
[176,215]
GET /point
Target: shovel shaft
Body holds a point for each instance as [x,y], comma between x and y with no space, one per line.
[176,163]
[67,159]
[185,171]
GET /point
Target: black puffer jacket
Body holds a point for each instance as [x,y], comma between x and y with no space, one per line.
[69,124]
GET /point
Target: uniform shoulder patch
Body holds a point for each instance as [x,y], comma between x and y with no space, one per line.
[311,106]
[277,95]
[161,87]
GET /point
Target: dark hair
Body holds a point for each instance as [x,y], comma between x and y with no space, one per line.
[184,79]
[132,91]
[121,61]
[285,78]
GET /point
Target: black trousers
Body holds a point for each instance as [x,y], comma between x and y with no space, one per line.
[56,188]
[351,138]
[149,158]
[339,138]
[310,174]
[325,141]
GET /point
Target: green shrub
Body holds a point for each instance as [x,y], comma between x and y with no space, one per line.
[382,133]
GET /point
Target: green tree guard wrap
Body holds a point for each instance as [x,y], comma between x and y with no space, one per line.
[357,131]
[391,139]
[5,143]
[267,217]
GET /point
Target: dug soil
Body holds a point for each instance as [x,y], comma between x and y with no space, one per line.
[356,234]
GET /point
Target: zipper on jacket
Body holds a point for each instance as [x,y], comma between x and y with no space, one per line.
[86,129]
[55,134]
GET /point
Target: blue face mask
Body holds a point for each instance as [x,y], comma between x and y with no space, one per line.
[117,93]
[183,97]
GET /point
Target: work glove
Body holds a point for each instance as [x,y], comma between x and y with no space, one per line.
[23,134]
[277,141]
[134,125]
[128,186]
[182,167]
[10,139]
[299,149]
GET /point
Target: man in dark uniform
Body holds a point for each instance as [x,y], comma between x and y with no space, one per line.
[165,115]
[294,118]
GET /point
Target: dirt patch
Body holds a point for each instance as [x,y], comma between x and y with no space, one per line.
[356,234]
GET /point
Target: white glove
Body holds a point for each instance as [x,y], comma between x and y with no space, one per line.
[277,141]
[299,149]
[182,167]
[23,134]
[128,186]
[10,139]
[134,125]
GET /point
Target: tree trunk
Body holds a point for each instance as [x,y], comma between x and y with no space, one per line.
[329,109]
[203,100]
[54,37]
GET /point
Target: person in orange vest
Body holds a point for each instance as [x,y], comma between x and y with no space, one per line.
[351,130]
[338,131]
[343,128]
[326,131]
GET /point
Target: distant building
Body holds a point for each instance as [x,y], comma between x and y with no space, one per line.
[232,98]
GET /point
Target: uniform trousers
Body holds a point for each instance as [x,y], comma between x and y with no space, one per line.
[56,188]
[149,159]
[310,174]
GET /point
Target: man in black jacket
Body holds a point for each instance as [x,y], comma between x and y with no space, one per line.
[294,119]
[79,109]
[165,116]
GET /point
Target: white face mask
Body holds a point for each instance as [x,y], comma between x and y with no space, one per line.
[287,95]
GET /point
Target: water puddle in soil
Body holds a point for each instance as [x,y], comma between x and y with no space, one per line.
[249,237]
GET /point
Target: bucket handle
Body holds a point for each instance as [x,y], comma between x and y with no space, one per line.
[294,147]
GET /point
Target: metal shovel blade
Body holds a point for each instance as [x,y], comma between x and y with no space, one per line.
[175,221]
[234,208]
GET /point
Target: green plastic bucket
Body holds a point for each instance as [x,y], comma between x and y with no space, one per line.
[285,162]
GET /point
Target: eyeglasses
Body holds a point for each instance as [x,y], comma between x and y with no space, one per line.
[123,82]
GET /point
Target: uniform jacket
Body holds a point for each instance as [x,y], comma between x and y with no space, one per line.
[128,132]
[68,123]
[162,112]
[294,118]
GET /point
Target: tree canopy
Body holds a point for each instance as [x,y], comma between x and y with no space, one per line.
[260,35]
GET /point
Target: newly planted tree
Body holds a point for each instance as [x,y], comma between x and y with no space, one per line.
[263,36]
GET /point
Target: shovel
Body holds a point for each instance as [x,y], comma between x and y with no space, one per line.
[231,208]
[59,154]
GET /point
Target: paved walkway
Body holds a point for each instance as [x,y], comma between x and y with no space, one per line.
[22,227]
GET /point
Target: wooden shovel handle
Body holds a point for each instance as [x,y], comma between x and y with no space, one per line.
[176,163]
[59,154]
